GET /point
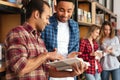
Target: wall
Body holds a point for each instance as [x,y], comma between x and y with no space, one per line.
[117,11]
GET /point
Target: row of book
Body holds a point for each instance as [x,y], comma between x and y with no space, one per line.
[84,16]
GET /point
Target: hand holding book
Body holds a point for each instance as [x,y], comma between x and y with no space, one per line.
[67,63]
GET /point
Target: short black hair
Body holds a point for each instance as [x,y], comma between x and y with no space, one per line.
[32,5]
[73,1]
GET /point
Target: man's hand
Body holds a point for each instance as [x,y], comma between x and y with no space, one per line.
[54,55]
[78,69]
[73,54]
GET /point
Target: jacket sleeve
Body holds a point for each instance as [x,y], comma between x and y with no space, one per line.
[116,47]
[77,39]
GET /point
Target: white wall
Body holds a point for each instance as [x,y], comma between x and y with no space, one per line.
[117,11]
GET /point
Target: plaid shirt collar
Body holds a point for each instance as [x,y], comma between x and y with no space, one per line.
[54,22]
[30,29]
[51,39]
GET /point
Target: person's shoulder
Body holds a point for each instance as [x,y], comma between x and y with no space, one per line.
[52,19]
[52,24]
[116,38]
[17,29]
[83,39]
[113,38]
[72,21]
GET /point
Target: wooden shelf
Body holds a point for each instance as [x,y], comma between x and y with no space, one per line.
[10,4]
[99,14]
[84,23]
[87,24]
[7,7]
[104,9]
[95,6]
[84,1]
[2,69]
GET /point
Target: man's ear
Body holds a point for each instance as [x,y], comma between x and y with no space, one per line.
[36,14]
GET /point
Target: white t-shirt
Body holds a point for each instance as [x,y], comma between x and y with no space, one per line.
[63,36]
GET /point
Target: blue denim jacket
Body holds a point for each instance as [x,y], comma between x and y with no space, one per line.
[49,35]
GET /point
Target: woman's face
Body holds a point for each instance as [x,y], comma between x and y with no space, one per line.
[95,33]
[107,30]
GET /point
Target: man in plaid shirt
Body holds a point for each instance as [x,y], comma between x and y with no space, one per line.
[26,53]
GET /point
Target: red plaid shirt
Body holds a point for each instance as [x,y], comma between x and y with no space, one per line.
[86,49]
[23,43]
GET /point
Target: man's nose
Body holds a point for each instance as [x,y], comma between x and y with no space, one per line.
[65,14]
[48,22]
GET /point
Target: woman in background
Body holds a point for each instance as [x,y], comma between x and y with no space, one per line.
[109,43]
[88,47]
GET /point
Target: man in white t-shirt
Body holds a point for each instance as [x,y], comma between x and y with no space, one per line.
[62,32]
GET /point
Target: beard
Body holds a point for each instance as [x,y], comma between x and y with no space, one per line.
[40,27]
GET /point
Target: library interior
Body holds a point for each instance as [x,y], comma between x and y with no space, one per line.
[87,14]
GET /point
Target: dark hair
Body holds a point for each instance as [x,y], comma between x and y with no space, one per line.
[32,5]
[73,1]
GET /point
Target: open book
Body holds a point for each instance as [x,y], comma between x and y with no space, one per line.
[66,63]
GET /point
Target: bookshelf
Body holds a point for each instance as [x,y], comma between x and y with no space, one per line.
[2,69]
[98,14]
[9,4]
[10,16]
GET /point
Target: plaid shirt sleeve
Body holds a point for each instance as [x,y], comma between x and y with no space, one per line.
[83,49]
[76,38]
[16,52]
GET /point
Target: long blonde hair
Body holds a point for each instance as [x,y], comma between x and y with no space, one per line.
[102,33]
[91,30]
